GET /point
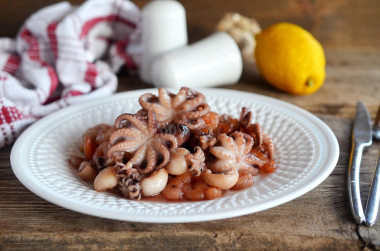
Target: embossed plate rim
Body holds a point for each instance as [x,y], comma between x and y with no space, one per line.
[323,167]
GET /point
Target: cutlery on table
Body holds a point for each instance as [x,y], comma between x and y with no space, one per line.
[373,201]
[362,134]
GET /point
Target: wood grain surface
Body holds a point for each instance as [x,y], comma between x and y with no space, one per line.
[320,220]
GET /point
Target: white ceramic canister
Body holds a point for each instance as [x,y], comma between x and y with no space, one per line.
[215,60]
[163,29]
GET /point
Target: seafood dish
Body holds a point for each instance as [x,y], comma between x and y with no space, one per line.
[175,147]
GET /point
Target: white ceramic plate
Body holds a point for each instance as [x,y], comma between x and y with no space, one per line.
[306,153]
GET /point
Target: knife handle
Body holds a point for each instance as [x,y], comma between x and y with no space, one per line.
[373,201]
[353,183]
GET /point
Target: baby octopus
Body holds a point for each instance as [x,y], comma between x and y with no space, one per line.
[234,151]
[187,107]
[150,150]
[263,142]
[181,161]
[129,181]
[176,147]
[233,157]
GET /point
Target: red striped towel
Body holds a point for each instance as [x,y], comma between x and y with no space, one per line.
[64,55]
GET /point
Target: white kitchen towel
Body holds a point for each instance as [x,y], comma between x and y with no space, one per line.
[64,55]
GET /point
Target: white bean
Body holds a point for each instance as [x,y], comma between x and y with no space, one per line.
[223,181]
[106,179]
[155,183]
[177,164]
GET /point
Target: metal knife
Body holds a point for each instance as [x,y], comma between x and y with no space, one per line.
[361,138]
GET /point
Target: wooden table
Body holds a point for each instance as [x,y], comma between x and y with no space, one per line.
[320,220]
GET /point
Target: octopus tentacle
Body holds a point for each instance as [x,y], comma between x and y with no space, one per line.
[164,98]
[200,111]
[124,146]
[151,156]
[138,156]
[192,124]
[253,160]
[204,139]
[168,139]
[152,123]
[227,142]
[131,119]
[121,167]
[258,131]
[163,151]
[130,188]
[125,171]
[243,141]
[269,146]
[239,141]
[148,101]
[142,113]
[193,103]
[129,181]
[180,97]
[245,117]
[249,142]
[254,130]
[125,134]
[196,161]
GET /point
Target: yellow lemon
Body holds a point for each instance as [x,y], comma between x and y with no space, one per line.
[290,58]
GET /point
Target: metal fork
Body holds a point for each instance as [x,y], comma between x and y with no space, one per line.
[372,207]
[376,126]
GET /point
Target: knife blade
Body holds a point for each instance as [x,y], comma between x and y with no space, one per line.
[361,138]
